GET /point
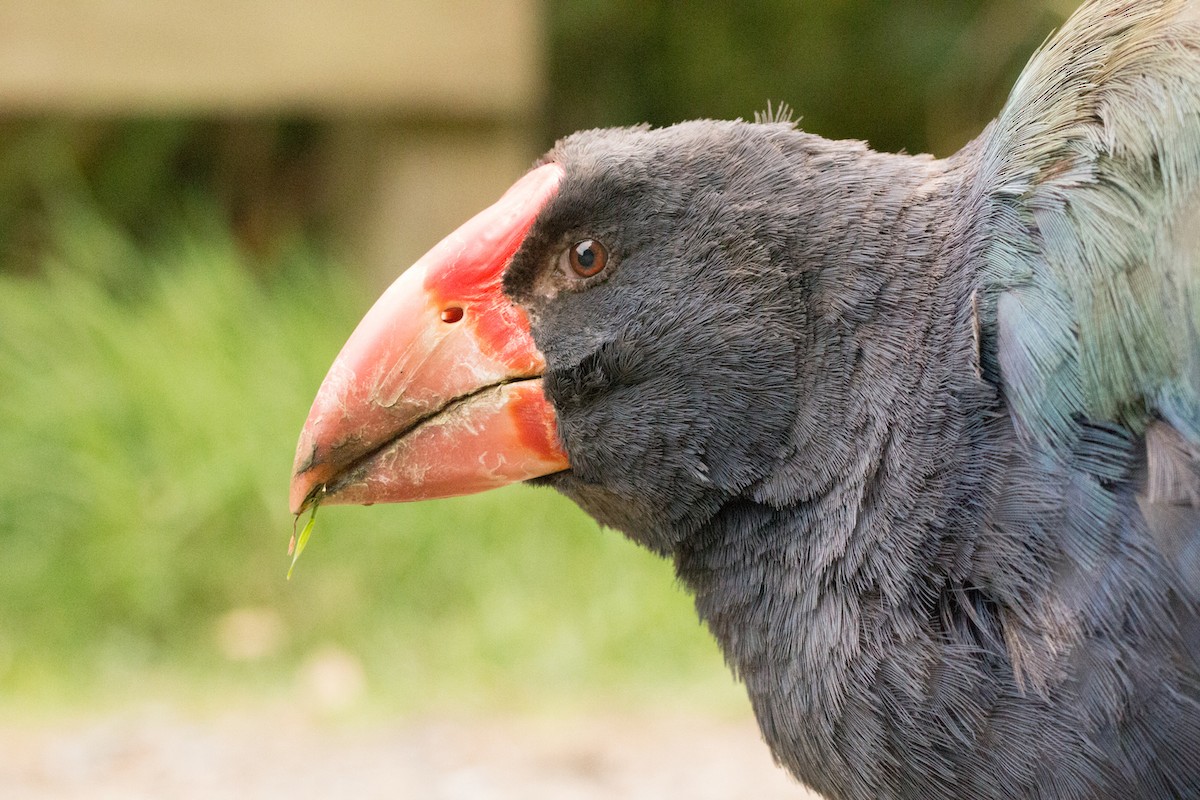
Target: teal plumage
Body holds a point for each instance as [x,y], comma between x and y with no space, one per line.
[1091,179]
[1090,297]
[1088,187]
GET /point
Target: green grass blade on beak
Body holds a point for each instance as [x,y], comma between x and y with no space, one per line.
[297,544]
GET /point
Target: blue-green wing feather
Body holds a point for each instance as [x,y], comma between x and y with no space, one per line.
[1091,181]
[1088,209]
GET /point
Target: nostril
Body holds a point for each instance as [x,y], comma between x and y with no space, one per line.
[452,314]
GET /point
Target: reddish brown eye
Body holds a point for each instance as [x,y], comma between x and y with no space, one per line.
[587,257]
[452,314]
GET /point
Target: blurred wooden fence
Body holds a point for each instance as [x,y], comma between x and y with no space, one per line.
[432,102]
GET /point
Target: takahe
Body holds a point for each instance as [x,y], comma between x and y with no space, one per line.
[922,436]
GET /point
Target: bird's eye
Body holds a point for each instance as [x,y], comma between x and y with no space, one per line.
[586,258]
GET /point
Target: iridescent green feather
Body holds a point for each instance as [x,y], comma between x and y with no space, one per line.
[1092,187]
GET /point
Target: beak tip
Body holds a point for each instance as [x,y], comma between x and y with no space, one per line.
[297,495]
[305,481]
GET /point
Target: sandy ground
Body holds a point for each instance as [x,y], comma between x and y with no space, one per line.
[164,754]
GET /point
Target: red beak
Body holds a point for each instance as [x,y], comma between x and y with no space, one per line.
[438,391]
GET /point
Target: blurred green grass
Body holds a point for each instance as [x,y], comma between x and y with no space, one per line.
[150,398]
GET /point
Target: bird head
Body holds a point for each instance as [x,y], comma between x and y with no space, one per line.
[624,324]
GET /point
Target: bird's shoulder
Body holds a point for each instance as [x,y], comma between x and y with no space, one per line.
[1090,193]
[1089,200]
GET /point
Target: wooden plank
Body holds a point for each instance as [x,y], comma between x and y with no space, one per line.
[395,191]
[447,58]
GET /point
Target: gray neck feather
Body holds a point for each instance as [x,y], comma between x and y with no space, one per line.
[859,540]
